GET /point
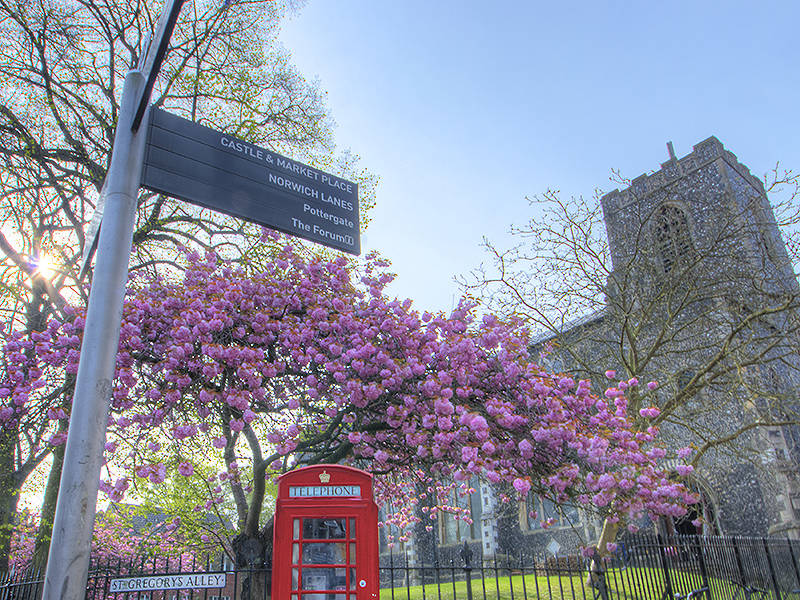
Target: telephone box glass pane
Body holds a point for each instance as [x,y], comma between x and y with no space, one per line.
[324,553]
[323,529]
[295,579]
[295,553]
[352,529]
[352,579]
[325,596]
[296,529]
[323,579]
[352,552]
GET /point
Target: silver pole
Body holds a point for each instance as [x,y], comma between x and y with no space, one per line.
[68,561]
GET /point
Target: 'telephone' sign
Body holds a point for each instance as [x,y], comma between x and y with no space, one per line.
[324,491]
[210,168]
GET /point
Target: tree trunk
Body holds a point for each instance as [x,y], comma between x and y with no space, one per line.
[42,544]
[607,535]
[9,498]
[597,577]
[254,555]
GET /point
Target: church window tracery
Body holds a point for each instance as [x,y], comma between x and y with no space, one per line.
[673,241]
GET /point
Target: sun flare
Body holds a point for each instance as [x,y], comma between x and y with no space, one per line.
[44,267]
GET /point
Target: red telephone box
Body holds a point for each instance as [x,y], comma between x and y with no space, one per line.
[325,535]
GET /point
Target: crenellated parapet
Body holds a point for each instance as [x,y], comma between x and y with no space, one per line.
[674,169]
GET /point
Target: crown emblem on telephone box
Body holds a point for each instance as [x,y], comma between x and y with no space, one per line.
[324,477]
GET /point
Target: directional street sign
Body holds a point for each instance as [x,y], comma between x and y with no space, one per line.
[218,171]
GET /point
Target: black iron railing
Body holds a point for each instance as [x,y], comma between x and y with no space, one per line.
[643,568]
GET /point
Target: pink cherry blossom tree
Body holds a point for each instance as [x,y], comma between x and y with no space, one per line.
[309,361]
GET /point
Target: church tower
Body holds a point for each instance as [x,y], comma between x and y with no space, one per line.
[702,276]
[705,206]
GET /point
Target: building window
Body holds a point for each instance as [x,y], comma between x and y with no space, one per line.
[766,245]
[775,435]
[538,510]
[554,363]
[685,377]
[455,531]
[671,232]
[389,534]
[795,500]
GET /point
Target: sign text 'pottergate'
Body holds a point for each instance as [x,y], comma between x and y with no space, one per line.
[324,491]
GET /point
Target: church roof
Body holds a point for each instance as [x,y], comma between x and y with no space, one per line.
[568,326]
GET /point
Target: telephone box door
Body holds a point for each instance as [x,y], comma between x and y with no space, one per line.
[325,557]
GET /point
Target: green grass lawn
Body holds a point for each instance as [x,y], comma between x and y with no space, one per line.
[627,584]
[501,588]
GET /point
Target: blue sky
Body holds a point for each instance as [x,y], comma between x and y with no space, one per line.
[465,108]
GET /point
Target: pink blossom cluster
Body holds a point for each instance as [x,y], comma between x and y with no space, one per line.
[116,540]
[32,361]
[23,540]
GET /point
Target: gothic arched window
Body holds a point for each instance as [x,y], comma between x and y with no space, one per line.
[672,238]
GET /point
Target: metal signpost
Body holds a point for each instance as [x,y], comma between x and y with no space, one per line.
[153,56]
[199,165]
[68,561]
